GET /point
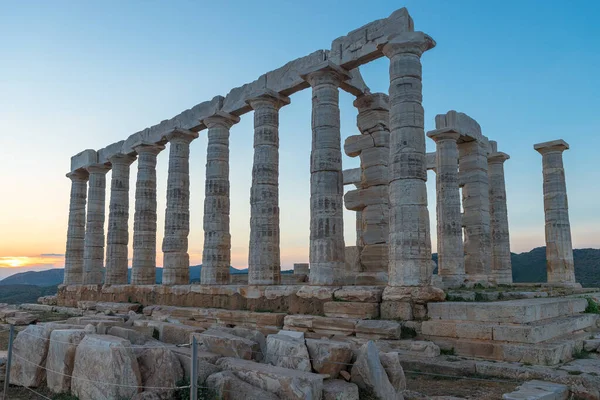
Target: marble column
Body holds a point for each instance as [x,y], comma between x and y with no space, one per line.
[117,237]
[559,248]
[216,256]
[409,237]
[327,247]
[473,177]
[451,261]
[93,251]
[176,260]
[76,228]
[501,264]
[143,270]
[264,262]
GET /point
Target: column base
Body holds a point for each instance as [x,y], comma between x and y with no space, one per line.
[448,281]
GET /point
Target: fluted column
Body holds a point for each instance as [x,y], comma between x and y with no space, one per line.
[93,252]
[451,262]
[76,228]
[409,237]
[216,256]
[264,263]
[117,237]
[143,270]
[501,263]
[473,176]
[176,260]
[327,248]
[559,248]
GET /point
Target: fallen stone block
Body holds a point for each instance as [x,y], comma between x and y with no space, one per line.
[118,308]
[226,386]
[364,294]
[342,309]
[285,383]
[228,345]
[328,356]
[378,329]
[370,376]
[339,390]
[539,390]
[20,318]
[160,368]
[132,335]
[36,307]
[393,369]
[61,358]
[287,352]
[177,333]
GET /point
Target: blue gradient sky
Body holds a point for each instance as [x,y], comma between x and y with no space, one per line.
[77,75]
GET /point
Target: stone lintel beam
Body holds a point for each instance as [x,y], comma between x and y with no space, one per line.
[341,73]
[468,128]
[270,95]
[82,160]
[551,146]
[351,176]
[431,161]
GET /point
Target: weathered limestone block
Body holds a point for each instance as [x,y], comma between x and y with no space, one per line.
[76,228]
[365,294]
[374,256]
[105,368]
[396,310]
[409,238]
[83,159]
[368,373]
[393,368]
[329,357]
[539,390]
[287,352]
[337,389]
[250,334]
[19,318]
[93,252]
[358,199]
[347,309]
[285,383]
[226,386]
[228,345]
[380,329]
[301,269]
[61,358]
[559,247]
[143,270]
[460,122]
[216,256]
[134,336]
[160,368]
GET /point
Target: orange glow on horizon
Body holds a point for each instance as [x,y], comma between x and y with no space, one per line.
[51,261]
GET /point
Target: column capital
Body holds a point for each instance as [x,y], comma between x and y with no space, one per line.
[80,175]
[268,96]
[372,101]
[181,135]
[148,148]
[444,134]
[97,168]
[497,158]
[551,147]
[221,118]
[325,72]
[408,42]
[121,159]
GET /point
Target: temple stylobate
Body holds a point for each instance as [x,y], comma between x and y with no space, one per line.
[393,246]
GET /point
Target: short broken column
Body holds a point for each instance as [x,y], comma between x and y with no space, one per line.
[451,262]
[216,256]
[143,270]
[93,253]
[327,247]
[117,237]
[76,228]
[501,267]
[409,236]
[264,263]
[559,248]
[176,260]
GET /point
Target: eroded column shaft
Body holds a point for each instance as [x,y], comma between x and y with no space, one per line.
[144,223]
[501,263]
[93,253]
[76,229]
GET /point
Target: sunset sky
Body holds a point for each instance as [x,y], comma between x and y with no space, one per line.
[77,75]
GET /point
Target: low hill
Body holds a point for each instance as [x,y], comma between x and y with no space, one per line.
[19,294]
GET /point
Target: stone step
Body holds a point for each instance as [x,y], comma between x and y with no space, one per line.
[512,311]
[551,352]
[532,332]
[539,390]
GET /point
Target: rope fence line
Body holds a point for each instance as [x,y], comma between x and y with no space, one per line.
[37,393]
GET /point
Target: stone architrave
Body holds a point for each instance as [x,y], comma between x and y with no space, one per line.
[93,252]
[409,237]
[327,247]
[559,248]
[474,179]
[117,237]
[264,263]
[451,262]
[176,260]
[76,228]
[216,256]
[143,270]
[500,249]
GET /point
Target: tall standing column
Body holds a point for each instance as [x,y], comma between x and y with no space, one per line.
[559,248]
[264,263]
[216,256]
[143,270]
[76,228]
[93,251]
[451,262]
[327,248]
[409,237]
[473,175]
[117,237]
[501,263]
[176,260]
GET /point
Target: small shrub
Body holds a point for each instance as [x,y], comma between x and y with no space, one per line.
[580,354]
[592,306]
[575,372]
[447,352]
[480,297]
[156,335]
[407,333]
[478,286]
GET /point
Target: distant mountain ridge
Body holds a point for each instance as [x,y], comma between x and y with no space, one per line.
[527,267]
